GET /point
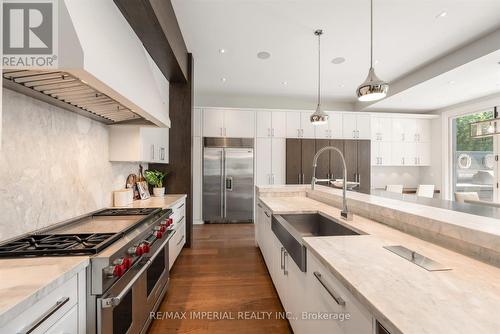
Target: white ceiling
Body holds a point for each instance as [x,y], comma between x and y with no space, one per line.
[407,36]
[475,79]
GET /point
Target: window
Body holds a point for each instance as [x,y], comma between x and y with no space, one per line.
[473,158]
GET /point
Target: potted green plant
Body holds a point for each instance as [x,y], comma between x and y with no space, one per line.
[155,178]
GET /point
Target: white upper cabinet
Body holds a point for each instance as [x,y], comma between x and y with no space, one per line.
[356,126]
[332,129]
[278,124]
[134,143]
[228,123]
[423,130]
[264,124]
[404,129]
[213,123]
[308,129]
[271,124]
[239,123]
[293,129]
[381,128]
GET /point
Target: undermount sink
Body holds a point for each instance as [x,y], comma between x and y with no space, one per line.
[314,224]
[290,228]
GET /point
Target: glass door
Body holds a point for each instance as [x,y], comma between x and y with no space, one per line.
[474,168]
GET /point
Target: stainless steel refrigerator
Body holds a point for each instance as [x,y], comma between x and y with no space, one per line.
[228,185]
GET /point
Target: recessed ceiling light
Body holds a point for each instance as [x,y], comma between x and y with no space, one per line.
[376,61]
[222,50]
[341,85]
[338,60]
[263,55]
[223,79]
[442,14]
[284,83]
[451,82]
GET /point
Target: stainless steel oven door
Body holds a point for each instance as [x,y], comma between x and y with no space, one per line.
[125,307]
[121,309]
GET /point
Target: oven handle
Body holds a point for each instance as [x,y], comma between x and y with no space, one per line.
[115,301]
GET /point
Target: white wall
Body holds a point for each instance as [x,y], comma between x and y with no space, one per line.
[53,165]
[433,173]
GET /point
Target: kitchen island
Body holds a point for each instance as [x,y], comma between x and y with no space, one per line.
[381,285]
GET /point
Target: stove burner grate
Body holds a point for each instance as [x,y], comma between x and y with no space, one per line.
[58,244]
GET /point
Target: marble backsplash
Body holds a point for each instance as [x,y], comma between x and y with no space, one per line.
[53,165]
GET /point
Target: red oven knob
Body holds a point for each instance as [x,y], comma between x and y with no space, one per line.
[170,221]
[163,229]
[118,270]
[139,251]
[145,248]
[127,262]
[158,234]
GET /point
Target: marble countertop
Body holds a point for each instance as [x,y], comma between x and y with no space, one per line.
[165,202]
[25,281]
[404,297]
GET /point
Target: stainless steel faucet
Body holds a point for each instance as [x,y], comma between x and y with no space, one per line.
[344,213]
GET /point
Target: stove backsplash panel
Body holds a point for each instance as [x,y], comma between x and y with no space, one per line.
[53,166]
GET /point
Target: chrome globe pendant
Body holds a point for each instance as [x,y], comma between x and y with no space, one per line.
[372,89]
[319,116]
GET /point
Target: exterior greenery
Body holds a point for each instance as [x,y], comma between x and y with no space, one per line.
[464,141]
[154,178]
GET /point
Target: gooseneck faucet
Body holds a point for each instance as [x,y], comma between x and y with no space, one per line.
[344,213]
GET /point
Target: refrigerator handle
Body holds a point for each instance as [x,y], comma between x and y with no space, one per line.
[229,183]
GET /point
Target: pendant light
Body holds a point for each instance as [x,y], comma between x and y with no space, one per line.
[319,116]
[373,88]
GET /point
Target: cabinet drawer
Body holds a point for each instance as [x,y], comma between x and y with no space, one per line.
[45,313]
[178,212]
[67,324]
[330,296]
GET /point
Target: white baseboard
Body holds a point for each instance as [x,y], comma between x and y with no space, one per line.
[198,222]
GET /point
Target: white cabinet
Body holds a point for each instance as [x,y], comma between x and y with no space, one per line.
[326,295]
[356,126]
[270,161]
[423,156]
[239,123]
[228,123]
[423,130]
[178,240]
[271,124]
[134,143]
[404,129]
[298,125]
[332,129]
[263,163]
[213,123]
[61,311]
[381,153]
[381,128]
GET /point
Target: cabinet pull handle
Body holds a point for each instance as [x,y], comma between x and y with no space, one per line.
[272,132]
[180,206]
[260,206]
[298,133]
[330,291]
[221,132]
[282,265]
[267,214]
[285,255]
[402,161]
[303,178]
[41,319]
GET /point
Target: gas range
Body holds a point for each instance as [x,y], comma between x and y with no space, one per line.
[128,251]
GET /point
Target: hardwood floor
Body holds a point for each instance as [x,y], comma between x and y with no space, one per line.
[223,273]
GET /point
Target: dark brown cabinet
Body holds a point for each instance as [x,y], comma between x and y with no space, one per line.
[300,154]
